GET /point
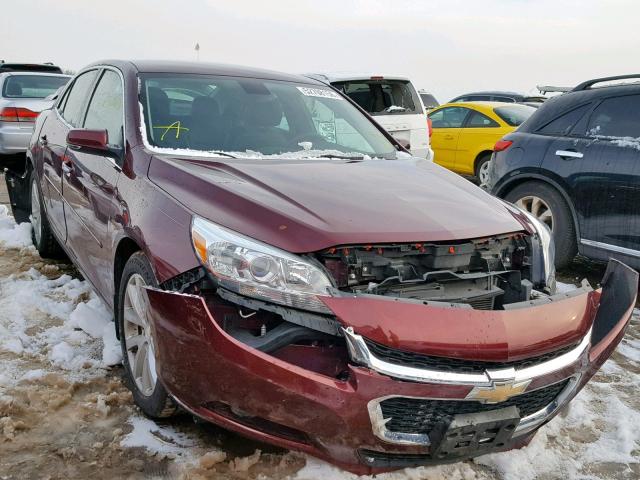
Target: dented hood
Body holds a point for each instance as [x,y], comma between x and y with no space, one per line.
[309,205]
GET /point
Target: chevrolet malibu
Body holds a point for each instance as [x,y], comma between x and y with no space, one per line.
[279,265]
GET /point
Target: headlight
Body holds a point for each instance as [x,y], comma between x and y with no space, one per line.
[254,269]
[548,250]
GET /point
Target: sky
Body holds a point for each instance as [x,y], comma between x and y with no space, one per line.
[445,47]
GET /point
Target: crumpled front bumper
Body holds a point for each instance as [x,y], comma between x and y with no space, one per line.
[222,380]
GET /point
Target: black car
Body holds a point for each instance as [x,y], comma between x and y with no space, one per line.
[575,165]
[499,96]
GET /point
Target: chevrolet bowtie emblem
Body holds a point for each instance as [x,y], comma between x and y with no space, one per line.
[498,392]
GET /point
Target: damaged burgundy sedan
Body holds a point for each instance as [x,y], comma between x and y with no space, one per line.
[279,265]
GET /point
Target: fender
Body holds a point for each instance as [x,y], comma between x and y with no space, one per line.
[545,177]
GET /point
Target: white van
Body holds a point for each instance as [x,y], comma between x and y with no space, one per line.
[393,103]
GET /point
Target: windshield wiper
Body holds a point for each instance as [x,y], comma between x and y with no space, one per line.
[223,154]
[342,157]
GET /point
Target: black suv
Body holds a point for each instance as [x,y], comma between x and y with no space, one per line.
[575,164]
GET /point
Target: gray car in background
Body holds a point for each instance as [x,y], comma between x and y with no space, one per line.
[23,95]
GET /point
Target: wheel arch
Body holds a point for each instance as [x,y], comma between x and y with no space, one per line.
[125,249]
[516,180]
[483,153]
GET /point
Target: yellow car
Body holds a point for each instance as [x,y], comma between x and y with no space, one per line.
[464,133]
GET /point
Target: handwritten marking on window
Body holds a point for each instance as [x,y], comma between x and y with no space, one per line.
[177,126]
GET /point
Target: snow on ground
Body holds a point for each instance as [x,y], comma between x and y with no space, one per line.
[75,319]
[63,411]
[12,235]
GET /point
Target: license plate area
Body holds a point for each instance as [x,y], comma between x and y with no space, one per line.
[470,433]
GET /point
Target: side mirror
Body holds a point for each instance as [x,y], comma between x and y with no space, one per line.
[94,139]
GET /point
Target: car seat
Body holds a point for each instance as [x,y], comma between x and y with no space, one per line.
[261,118]
[14,89]
[208,129]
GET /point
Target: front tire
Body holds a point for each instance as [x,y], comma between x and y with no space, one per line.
[41,233]
[136,339]
[547,205]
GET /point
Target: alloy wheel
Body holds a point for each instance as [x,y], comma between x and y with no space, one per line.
[538,208]
[138,338]
[483,173]
[36,214]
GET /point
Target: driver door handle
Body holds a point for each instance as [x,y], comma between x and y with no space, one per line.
[567,154]
[448,137]
[67,166]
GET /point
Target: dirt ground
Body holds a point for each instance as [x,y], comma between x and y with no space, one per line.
[65,414]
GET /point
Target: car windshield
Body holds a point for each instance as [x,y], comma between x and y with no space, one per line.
[248,117]
[32,86]
[514,115]
[383,97]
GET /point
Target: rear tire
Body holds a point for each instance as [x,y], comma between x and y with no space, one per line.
[546,203]
[41,234]
[482,169]
[136,340]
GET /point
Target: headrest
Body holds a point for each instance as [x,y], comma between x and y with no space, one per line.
[265,111]
[14,89]
[205,109]
[158,103]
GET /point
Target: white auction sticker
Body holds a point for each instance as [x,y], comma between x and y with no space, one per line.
[319,92]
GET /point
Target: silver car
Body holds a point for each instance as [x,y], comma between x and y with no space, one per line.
[23,95]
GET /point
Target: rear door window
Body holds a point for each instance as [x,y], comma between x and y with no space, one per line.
[105,109]
[450,117]
[514,115]
[616,117]
[383,97]
[77,97]
[563,124]
[479,120]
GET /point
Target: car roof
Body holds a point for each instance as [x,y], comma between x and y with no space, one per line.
[204,68]
[29,67]
[351,76]
[480,105]
[35,74]
[493,92]
[561,104]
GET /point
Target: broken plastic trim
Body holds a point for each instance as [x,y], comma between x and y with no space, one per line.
[620,289]
[284,334]
[298,317]
[19,193]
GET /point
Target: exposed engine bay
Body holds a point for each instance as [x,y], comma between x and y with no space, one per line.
[485,273]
